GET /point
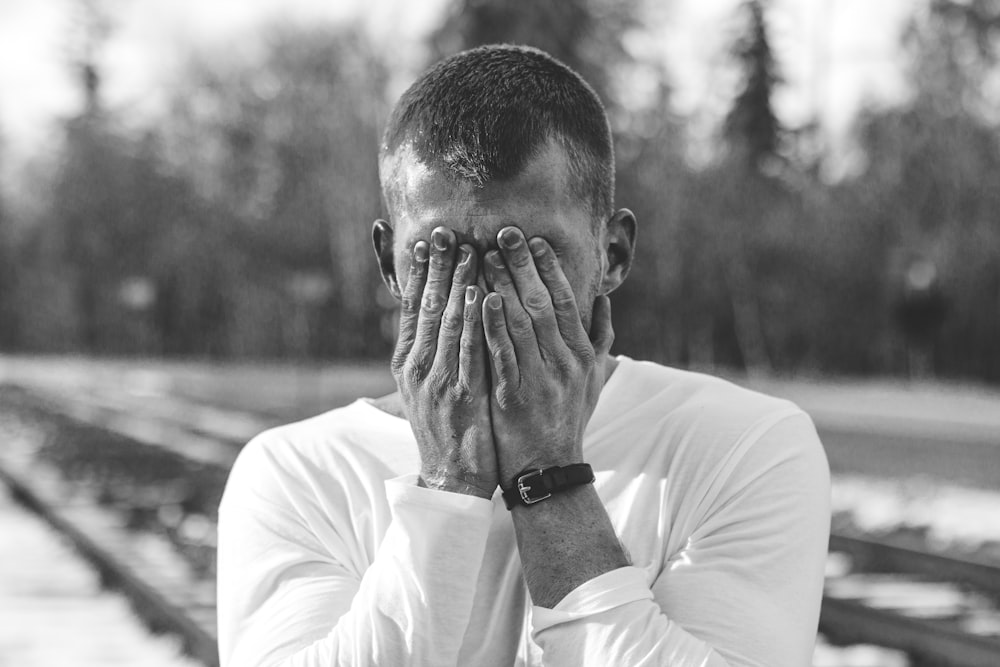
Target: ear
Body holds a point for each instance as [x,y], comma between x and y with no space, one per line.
[619,248]
[382,237]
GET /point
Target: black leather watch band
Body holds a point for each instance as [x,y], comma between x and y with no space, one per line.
[531,486]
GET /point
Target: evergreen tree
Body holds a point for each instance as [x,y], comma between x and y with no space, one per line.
[584,34]
[752,130]
[7,273]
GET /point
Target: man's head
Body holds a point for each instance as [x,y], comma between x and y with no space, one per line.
[483,114]
[497,136]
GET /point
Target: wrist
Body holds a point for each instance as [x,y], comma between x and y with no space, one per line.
[537,485]
[510,474]
[455,484]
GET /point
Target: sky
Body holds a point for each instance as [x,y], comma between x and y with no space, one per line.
[834,54]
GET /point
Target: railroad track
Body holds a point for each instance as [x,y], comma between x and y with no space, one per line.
[166,592]
[940,609]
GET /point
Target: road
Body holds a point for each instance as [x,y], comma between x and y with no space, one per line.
[882,428]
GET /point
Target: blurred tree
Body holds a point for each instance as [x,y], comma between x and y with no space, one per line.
[584,34]
[655,308]
[751,127]
[954,49]
[8,274]
[90,27]
[928,191]
[288,144]
[87,200]
[749,200]
[94,264]
[238,224]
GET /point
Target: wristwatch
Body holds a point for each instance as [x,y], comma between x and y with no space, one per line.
[535,485]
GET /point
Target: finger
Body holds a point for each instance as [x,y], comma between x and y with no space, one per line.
[410,310]
[434,299]
[472,349]
[450,332]
[561,293]
[498,342]
[602,334]
[519,325]
[531,291]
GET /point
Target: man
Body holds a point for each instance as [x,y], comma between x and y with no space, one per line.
[379,533]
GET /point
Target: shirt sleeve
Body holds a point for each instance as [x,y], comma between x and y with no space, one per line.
[744,591]
[285,600]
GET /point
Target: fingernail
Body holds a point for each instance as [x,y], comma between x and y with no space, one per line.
[497,261]
[470,294]
[510,238]
[494,301]
[537,246]
[420,251]
[440,239]
[463,255]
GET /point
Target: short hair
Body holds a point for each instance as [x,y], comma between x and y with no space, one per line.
[482,114]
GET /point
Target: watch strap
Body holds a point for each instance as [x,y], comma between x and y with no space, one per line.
[537,484]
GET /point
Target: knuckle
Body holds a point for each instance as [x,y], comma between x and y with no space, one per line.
[562,297]
[460,394]
[440,261]
[537,301]
[432,302]
[411,373]
[546,260]
[417,275]
[511,396]
[468,346]
[417,270]
[564,364]
[520,323]
[502,351]
[410,302]
[586,356]
[520,260]
[496,323]
[470,314]
[451,323]
[398,362]
[520,397]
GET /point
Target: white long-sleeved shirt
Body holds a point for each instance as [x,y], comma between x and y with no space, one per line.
[330,554]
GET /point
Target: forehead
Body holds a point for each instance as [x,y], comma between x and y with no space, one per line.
[539,200]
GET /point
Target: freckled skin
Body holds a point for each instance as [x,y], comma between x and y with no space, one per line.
[539,201]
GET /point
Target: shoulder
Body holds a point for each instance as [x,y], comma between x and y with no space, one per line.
[330,450]
[703,425]
[713,445]
[330,432]
[645,388]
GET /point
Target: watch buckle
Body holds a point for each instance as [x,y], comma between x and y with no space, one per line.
[523,489]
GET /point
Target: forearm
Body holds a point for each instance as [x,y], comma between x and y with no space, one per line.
[565,541]
[614,620]
[410,606]
[740,591]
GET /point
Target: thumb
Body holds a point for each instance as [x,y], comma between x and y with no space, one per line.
[602,334]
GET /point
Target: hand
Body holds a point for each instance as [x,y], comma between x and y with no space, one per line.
[440,368]
[547,372]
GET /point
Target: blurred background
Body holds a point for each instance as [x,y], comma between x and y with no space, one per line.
[186,194]
[816,182]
